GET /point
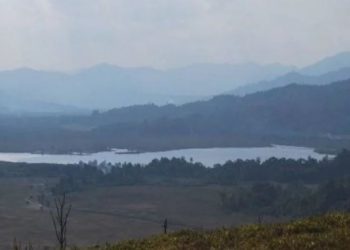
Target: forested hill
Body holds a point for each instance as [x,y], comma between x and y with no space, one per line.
[296,114]
[293,99]
[286,113]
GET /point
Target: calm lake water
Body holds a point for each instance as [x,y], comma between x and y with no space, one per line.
[208,156]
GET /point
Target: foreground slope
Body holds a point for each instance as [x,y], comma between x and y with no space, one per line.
[325,232]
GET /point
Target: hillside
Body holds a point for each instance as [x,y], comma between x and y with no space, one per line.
[292,114]
[317,116]
[324,232]
[300,98]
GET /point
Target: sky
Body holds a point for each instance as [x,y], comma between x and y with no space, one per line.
[72,34]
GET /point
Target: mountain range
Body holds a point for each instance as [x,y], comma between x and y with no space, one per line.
[293,77]
[296,114]
[106,86]
[304,115]
[328,70]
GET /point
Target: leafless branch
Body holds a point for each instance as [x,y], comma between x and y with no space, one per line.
[60,216]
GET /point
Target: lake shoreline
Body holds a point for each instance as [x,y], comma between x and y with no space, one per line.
[207,156]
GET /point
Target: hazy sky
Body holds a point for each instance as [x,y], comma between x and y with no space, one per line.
[67,34]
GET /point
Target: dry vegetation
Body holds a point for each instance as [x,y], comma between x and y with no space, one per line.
[109,214]
[327,232]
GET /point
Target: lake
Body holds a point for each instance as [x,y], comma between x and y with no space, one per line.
[208,156]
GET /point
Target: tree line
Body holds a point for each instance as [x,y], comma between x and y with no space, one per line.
[179,171]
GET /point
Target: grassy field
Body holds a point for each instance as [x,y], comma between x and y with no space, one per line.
[110,214]
[325,232]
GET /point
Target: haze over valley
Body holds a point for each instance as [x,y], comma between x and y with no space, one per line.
[104,86]
[172,125]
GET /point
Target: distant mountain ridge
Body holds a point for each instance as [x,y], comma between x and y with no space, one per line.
[107,86]
[328,64]
[293,77]
[328,70]
[15,106]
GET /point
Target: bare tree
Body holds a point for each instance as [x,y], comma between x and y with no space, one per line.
[59,218]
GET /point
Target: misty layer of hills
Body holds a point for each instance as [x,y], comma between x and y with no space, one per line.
[105,86]
[330,69]
[293,77]
[317,116]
